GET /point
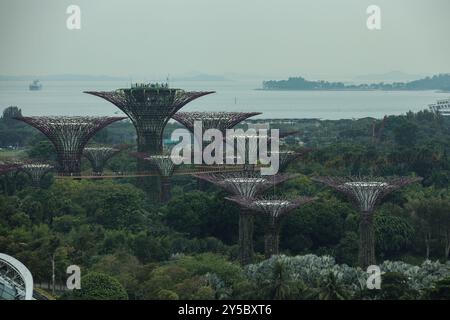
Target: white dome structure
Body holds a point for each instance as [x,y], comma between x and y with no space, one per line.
[16,281]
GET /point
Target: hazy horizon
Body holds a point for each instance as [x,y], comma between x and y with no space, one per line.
[317,39]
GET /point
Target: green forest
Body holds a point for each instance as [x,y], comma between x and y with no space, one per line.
[130,247]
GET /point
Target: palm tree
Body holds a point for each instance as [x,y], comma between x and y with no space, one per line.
[281,281]
[330,288]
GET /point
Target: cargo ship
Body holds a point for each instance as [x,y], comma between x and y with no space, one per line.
[36,85]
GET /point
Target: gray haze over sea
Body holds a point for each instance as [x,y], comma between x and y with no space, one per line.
[67,98]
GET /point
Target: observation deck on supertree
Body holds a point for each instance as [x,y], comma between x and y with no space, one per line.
[365,193]
[275,208]
[69,136]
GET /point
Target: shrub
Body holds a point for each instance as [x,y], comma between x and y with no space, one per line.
[100,286]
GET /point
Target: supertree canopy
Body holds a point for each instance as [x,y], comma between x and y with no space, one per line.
[99,156]
[149,107]
[212,120]
[69,136]
[366,192]
[245,184]
[275,208]
[36,171]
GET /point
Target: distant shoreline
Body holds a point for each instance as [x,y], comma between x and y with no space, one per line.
[363,90]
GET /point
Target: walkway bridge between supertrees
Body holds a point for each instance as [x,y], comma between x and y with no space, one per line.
[198,169]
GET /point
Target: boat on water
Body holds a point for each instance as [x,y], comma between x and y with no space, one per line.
[36,85]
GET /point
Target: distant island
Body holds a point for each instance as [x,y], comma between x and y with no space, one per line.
[437,82]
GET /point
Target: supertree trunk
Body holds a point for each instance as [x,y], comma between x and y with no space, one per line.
[366,240]
[246,251]
[149,142]
[5,185]
[69,165]
[151,184]
[272,240]
[97,170]
[166,188]
[11,178]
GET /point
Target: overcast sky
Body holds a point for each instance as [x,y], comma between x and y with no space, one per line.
[276,38]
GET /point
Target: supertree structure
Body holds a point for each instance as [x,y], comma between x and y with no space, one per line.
[245,184]
[212,120]
[8,170]
[99,156]
[36,171]
[275,208]
[149,107]
[366,192]
[69,136]
[164,165]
